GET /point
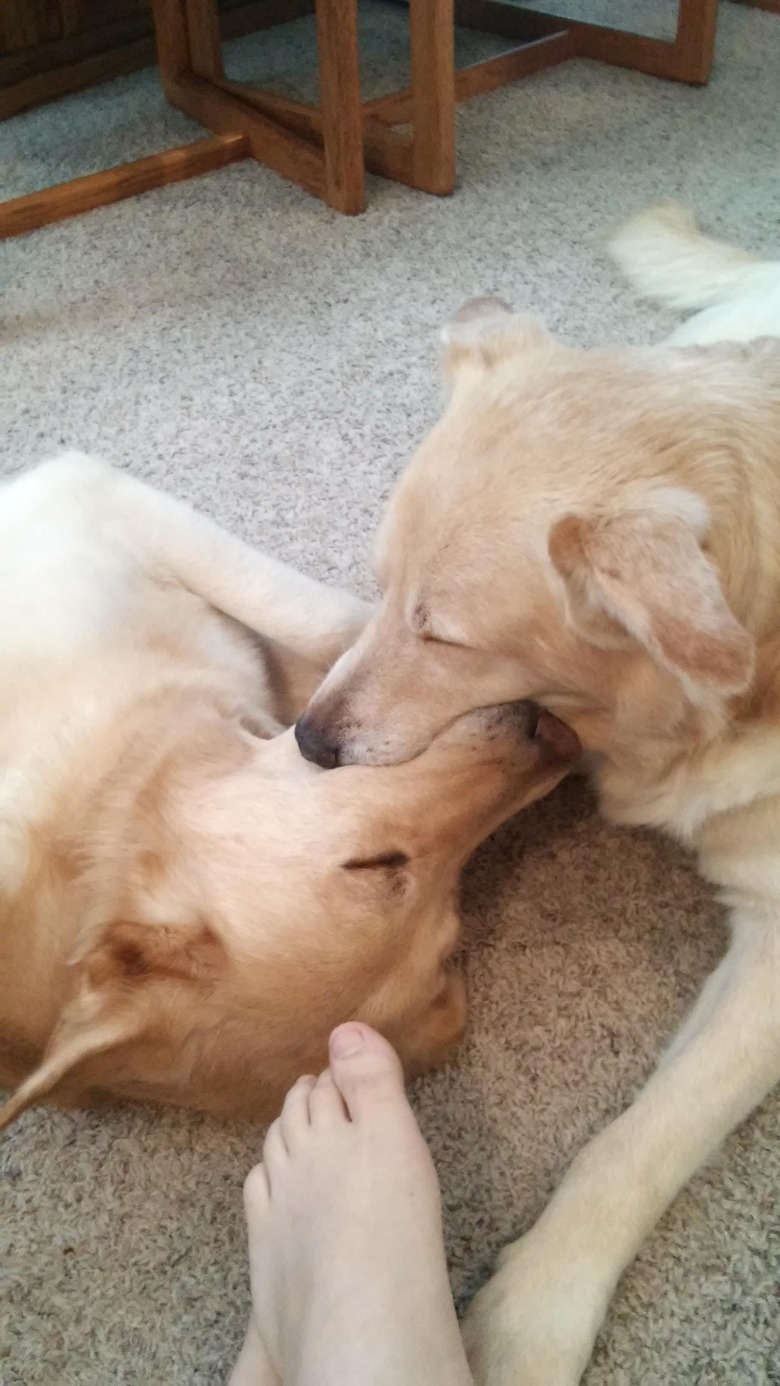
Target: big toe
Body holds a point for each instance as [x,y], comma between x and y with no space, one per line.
[366,1070]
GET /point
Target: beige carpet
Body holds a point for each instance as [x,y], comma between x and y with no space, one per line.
[240,344]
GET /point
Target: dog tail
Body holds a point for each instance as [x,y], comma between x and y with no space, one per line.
[666,257]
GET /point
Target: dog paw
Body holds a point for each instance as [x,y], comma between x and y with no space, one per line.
[530,1325]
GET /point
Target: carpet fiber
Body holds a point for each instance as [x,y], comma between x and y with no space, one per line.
[234,341]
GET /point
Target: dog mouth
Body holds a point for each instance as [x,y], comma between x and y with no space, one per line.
[531,724]
[525,721]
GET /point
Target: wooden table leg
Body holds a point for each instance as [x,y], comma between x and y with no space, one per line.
[205,38]
[173,44]
[432,35]
[695,40]
[28,213]
[686,58]
[340,108]
[772,6]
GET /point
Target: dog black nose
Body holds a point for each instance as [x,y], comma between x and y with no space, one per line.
[314,745]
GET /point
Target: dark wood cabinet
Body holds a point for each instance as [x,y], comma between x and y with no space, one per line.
[51,47]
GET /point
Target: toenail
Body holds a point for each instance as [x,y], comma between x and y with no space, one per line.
[346,1040]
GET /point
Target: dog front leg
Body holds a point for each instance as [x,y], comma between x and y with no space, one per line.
[174,543]
[436,1033]
[427,1030]
[535,1322]
[315,622]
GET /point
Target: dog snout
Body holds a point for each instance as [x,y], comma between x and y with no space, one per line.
[315,744]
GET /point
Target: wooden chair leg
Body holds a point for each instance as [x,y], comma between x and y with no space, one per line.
[340,107]
[432,36]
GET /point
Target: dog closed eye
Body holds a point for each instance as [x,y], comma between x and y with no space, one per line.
[391,860]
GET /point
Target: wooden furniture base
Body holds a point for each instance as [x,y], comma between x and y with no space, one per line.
[99,189]
[327,149]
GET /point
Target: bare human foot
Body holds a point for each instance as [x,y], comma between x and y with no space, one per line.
[349,1281]
[253,1367]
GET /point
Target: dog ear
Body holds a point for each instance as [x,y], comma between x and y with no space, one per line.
[486,331]
[116,999]
[646,571]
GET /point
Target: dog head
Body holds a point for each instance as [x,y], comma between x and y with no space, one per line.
[235,903]
[580,528]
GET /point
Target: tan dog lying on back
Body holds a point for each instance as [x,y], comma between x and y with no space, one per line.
[600,531]
[186,906]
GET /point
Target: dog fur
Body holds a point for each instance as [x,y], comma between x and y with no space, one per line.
[600,531]
[186,906]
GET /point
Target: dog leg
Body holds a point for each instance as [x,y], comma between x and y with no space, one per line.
[428,1034]
[172,542]
[535,1322]
[435,1035]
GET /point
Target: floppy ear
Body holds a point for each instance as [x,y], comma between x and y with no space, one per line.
[116,1000]
[484,332]
[645,570]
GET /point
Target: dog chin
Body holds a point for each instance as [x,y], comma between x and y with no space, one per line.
[370,753]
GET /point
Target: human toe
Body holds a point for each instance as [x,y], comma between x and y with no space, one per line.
[295,1118]
[365,1069]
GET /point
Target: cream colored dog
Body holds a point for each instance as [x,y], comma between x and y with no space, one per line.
[186,906]
[600,531]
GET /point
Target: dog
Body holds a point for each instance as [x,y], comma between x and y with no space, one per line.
[600,531]
[186,906]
